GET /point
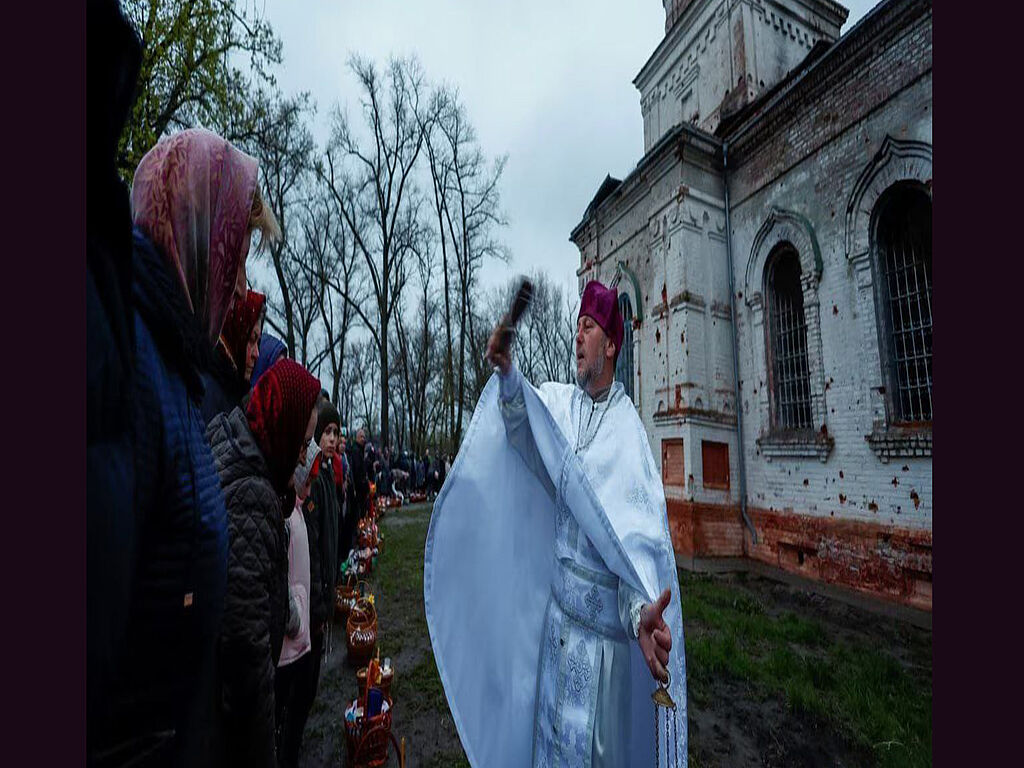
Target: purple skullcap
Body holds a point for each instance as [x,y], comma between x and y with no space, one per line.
[602,304]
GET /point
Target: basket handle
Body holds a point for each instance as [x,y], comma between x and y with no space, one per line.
[371,611]
[391,738]
[364,606]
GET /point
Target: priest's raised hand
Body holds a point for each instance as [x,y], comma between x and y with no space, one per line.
[499,348]
[655,637]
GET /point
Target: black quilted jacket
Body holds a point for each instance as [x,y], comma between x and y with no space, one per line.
[256,605]
[323,519]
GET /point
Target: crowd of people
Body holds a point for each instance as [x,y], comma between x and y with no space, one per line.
[404,474]
[222,494]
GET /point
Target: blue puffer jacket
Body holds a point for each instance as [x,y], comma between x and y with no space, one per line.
[112,65]
[166,691]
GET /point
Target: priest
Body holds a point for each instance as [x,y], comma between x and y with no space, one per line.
[550,583]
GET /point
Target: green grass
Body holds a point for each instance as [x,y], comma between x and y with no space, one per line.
[861,690]
[400,579]
[401,565]
[421,687]
[858,689]
[448,760]
[399,582]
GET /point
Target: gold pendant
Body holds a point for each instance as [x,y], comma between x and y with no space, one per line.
[662,699]
[661,696]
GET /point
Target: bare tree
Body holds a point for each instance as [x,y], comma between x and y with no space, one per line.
[282,142]
[362,372]
[548,326]
[347,394]
[545,335]
[440,164]
[333,265]
[467,208]
[305,289]
[418,356]
[372,184]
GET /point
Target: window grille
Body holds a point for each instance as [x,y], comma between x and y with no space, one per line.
[624,365]
[905,253]
[791,390]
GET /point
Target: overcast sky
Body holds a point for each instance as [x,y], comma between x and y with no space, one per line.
[550,82]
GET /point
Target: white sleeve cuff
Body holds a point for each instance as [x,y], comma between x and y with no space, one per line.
[634,618]
[510,384]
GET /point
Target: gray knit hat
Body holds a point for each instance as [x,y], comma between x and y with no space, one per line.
[302,470]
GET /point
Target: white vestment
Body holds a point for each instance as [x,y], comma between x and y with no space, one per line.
[548,534]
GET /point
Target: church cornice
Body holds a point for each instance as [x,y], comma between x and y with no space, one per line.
[671,43]
[886,20]
[668,148]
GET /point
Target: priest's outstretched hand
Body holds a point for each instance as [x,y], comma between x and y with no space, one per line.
[498,348]
[655,637]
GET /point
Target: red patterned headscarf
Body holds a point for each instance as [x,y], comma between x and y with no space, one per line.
[238,326]
[278,413]
[192,196]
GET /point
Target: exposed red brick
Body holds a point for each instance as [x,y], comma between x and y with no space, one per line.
[883,561]
[705,530]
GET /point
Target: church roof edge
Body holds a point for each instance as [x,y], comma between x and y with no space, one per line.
[711,143]
[816,68]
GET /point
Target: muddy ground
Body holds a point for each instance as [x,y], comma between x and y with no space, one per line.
[733,721]
[421,713]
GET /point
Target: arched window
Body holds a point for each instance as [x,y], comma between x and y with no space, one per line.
[624,365]
[787,347]
[903,263]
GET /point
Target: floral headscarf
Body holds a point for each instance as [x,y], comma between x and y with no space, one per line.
[278,413]
[192,196]
[238,326]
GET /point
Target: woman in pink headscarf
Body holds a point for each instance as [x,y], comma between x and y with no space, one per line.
[195,204]
[195,198]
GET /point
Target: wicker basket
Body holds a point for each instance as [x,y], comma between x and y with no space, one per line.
[367,740]
[361,632]
[345,597]
[368,534]
[386,680]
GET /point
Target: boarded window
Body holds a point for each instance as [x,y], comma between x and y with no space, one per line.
[672,468]
[715,460]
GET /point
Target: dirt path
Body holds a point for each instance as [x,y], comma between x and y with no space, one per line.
[421,712]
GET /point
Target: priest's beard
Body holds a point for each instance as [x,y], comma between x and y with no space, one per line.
[590,373]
